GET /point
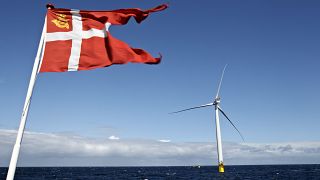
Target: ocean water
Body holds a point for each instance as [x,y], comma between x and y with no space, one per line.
[308,172]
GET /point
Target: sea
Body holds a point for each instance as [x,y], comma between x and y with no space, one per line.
[265,172]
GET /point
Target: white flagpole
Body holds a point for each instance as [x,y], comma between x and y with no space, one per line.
[35,71]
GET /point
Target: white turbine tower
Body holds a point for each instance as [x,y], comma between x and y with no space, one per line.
[217,108]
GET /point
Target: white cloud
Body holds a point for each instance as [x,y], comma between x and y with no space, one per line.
[114,138]
[47,149]
[164,140]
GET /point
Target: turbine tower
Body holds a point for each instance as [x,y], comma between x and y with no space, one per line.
[217,109]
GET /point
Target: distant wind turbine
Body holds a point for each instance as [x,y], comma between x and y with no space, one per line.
[217,108]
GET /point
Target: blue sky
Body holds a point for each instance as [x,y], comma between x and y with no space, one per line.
[270,89]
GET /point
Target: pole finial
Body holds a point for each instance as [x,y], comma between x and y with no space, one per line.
[50,6]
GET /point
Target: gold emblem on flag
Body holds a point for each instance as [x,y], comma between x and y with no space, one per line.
[61,21]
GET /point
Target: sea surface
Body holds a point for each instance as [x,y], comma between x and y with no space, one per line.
[171,172]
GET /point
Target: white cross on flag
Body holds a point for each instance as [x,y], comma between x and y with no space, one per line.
[80,40]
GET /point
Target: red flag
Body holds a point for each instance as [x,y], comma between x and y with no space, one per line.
[80,40]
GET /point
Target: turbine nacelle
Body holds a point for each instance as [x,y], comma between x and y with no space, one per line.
[217,101]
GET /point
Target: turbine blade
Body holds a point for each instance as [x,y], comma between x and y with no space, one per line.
[205,105]
[230,122]
[221,80]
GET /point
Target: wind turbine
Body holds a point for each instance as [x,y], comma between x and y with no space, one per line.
[217,108]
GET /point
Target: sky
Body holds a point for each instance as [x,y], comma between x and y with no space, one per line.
[118,116]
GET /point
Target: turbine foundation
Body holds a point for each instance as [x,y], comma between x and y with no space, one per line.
[221,168]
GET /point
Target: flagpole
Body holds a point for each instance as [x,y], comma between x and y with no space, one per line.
[35,71]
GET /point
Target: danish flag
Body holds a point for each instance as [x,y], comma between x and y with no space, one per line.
[80,40]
